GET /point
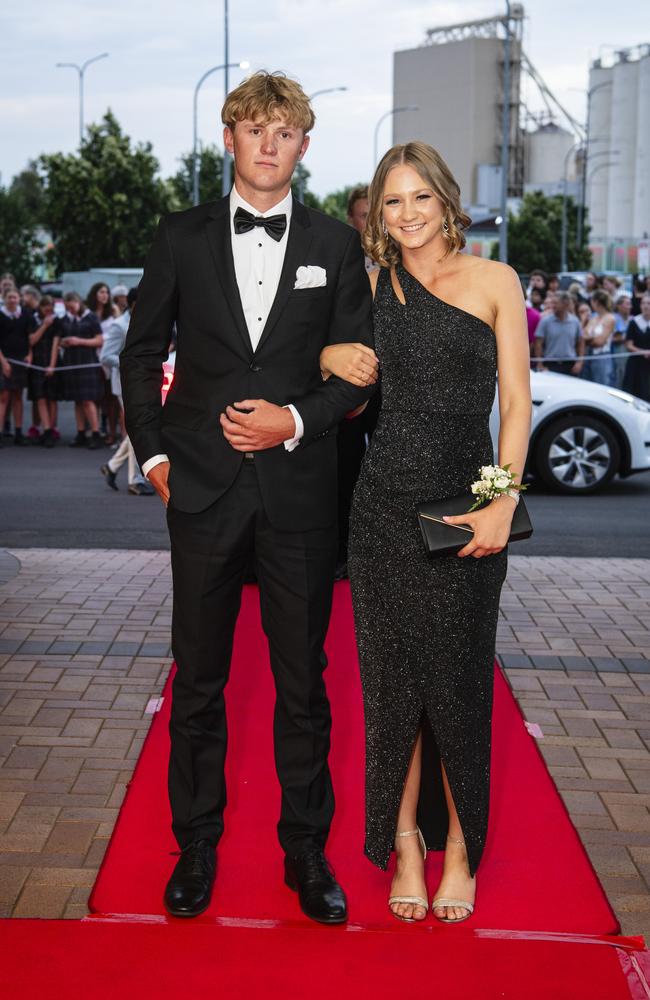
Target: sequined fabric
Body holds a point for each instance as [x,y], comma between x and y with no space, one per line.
[426,627]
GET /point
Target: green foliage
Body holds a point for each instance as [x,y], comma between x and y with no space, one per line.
[102,204]
[210,162]
[336,203]
[27,189]
[19,247]
[300,187]
[535,236]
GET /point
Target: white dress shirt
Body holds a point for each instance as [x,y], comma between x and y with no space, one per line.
[258,260]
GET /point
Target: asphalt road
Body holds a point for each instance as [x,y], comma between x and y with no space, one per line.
[58,499]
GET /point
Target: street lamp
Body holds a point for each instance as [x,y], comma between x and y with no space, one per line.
[317,93]
[601,166]
[327,90]
[195,166]
[576,145]
[393,111]
[563,250]
[81,70]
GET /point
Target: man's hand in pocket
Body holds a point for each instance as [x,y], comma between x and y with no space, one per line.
[158,477]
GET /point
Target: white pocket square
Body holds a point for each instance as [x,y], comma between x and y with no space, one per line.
[310,276]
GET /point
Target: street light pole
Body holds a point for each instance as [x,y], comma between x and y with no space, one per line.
[505,140]
[195,119]
[563,249]
[563,252]
[317,93]
[81,71]
[387,114]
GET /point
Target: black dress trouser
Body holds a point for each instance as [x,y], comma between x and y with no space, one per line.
[210,553]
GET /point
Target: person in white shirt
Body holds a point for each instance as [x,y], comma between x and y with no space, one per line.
[114,338]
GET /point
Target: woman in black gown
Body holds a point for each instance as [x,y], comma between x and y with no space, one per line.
[426,627]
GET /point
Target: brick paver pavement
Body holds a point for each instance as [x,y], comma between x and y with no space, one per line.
[84,647]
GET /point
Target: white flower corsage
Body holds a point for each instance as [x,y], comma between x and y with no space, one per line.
[495,482]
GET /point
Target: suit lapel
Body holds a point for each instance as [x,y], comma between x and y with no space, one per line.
[218,233]
[298,243]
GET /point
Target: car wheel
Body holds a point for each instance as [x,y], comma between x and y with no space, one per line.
[578,454]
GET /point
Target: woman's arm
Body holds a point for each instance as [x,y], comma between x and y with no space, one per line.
[354,363]
[5,367]
[54,354]
[515,405]
[491,525]
[38,333]
[600,339]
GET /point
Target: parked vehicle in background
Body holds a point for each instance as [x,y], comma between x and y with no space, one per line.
[583,434]
[567,278]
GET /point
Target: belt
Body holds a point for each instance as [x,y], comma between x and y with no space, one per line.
[249,456]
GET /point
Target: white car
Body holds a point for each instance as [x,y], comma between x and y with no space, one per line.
[582,433]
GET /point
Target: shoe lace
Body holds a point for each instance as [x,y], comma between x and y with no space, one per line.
[194,860]
[316,866]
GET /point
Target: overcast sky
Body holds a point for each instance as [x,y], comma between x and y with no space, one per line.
[158,50]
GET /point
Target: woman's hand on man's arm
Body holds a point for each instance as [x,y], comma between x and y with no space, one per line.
[353,363]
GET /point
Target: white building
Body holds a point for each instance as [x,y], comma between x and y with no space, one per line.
[618,162]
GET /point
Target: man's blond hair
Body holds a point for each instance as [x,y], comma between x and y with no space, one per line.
[264,97]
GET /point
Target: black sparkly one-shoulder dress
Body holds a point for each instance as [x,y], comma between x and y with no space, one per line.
[426,627]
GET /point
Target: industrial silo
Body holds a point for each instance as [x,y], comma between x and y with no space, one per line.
[621,173]
[547,150]
[600,107]
[642,180]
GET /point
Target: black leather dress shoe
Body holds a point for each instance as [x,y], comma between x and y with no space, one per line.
[321,897]
[189,889]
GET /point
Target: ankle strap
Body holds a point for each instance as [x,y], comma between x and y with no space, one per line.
[407,833]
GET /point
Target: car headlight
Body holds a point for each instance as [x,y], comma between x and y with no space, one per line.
[627,397]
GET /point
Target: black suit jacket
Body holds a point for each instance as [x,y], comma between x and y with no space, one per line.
[189,278]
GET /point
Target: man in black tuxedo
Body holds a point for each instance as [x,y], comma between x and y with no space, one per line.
[243,454]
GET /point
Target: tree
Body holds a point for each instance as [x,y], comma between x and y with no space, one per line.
[336,203]
[210,177]
[535,236]
[27,188]
[19,247]
[103,203]
[300,186]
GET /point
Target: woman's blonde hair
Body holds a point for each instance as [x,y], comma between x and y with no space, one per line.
[435,173]
[265,96]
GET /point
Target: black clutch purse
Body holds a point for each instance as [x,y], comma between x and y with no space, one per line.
[441,539]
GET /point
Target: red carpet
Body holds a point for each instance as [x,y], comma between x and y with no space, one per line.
[535,875]
[96,958]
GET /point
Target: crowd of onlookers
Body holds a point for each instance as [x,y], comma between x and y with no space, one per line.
[51,351]
[69,350]
[592,329]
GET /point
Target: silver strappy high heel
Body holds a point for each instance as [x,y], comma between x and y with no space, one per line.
[410,900]
[442,901]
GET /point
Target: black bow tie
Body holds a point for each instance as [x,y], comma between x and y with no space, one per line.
[275,225]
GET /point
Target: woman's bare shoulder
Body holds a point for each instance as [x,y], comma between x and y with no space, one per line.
[494,271]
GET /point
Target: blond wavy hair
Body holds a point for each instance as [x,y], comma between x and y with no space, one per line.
[435,173]
[266,96]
